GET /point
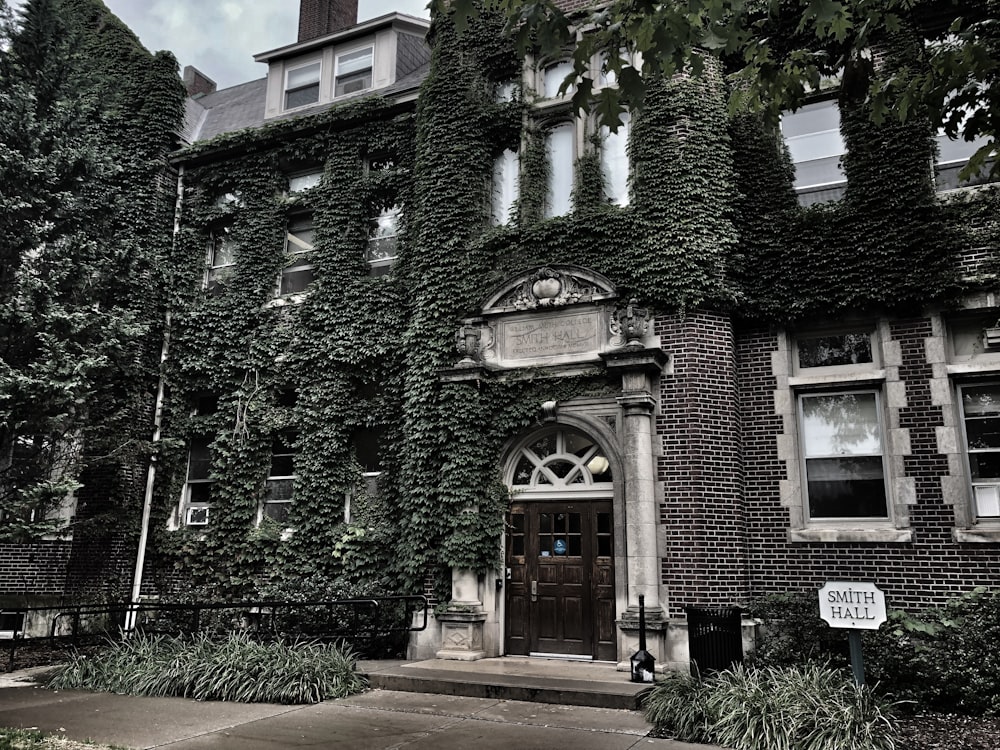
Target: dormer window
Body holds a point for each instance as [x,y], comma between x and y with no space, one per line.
[354,71]
[302,85]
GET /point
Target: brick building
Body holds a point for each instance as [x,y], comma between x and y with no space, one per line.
[704,363]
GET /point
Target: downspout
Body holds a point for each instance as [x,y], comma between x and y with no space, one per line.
[147,505]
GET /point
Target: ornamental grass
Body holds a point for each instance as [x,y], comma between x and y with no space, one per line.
[792,708]
[234,668]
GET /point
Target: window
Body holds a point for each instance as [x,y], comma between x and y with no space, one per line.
[506,91]
[382,235]
[280,483]
[505,187]
[812,134]
[198,488]
[559,154]
[614,162]
[221,261]
[553,76]
[606,74]
[302,85]
[841,436]
[299,183]
[981,421]
[298,271]
[844,351]
[354,71]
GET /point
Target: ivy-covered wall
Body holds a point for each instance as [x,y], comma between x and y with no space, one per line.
[712,225]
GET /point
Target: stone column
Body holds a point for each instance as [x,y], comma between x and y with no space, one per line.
[638,368]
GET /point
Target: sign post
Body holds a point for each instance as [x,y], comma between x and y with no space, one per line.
[855,606]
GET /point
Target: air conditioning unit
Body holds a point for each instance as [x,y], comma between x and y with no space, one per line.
[197,515]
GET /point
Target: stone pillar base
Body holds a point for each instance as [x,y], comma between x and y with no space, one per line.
[461,635]
[628,639]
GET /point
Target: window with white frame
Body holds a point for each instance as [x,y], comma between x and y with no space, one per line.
[382,238]
[812,134]
[298,271]
[560,158]
[302,85]
[221,261]
[280,485]
[505,187]
[353,71]
[842,455]
[614,161]
[198,488]
[981,423]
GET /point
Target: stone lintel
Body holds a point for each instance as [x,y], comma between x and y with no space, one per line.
[470,373]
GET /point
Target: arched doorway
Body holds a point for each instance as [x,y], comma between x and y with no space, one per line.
[560,596]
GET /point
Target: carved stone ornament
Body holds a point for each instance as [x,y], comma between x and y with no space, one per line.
[467,342]
[630,324]
[550,286]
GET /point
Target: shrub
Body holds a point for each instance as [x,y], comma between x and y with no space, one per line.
[792,633]
[746,708]
[236,668]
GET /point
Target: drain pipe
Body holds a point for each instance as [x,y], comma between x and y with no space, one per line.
[147,505]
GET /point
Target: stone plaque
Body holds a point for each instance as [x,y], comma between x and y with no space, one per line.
[552,336]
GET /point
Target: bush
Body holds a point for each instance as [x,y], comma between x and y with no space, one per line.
[792,633]
[746,708]
[236,668]
[945,658]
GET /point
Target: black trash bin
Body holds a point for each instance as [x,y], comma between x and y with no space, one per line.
[715,638]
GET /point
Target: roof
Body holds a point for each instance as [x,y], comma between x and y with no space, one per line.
[419,25]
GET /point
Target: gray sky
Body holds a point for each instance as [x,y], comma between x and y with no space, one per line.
[220,37]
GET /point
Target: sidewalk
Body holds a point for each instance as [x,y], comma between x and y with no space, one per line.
[376,720]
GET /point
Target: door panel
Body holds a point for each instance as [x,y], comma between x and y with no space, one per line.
[560,585]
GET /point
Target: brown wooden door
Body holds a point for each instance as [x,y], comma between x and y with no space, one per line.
[560,582]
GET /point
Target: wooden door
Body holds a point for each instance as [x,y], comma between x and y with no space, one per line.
[560,582]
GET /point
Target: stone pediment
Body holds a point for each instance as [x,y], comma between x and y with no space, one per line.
[549,286]
[561,318]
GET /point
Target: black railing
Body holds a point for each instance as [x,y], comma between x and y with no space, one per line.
[374,627]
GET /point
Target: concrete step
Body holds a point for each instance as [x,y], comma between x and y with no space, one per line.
[511,678]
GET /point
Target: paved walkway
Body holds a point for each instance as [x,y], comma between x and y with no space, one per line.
[376,720]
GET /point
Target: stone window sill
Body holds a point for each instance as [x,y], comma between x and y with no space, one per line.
[977,535]
[816,534]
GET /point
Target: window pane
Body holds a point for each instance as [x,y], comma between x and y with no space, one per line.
[350,84]
[553,77]
[836,349]
[983,433]
[841,424]
[300,182]
[200,459]
[352,62]
[614,162]
[812,134]
[981,400]
[505,186]
[984,465]
[303,96]
[846,488]
[522,474]
[277,512]
[200,492]
[297,279]
[304,76]
[278,490]
[559,155]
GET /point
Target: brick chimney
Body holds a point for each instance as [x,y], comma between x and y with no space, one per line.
[321,17]
[196,82]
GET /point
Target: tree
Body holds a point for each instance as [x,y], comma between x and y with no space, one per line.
[776,52]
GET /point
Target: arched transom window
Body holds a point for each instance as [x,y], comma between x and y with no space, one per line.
[561,460]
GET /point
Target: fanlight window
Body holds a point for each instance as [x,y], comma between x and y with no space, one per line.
[561,460]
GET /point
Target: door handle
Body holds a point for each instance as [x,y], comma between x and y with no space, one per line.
[534,591]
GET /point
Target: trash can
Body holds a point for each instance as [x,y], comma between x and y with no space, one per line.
[715,638]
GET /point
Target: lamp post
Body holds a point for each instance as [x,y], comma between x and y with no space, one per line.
[643,663]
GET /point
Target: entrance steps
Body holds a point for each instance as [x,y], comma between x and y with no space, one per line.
[516,678]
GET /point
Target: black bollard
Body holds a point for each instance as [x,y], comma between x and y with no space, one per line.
[643,663]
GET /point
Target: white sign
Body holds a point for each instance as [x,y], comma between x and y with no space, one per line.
[852,604]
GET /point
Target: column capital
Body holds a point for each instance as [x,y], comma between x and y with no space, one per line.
[653,361]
